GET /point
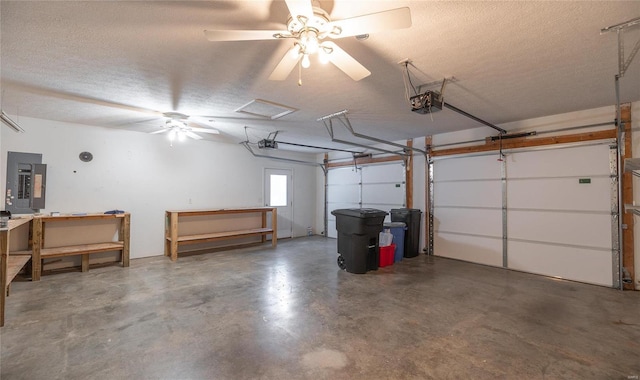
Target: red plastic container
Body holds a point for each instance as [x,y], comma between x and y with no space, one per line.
[387,255]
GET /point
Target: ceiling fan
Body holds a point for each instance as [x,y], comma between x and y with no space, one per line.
[308,26]
[178,128]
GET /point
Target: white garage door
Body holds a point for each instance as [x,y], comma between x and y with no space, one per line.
[467,215]
[343,191]
[379,186]
[554,210]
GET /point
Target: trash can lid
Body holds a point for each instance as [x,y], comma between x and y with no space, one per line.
[360,212]
[395,224]
[405,210]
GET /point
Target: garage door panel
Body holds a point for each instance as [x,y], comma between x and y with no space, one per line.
[335,206]
[471,221]
[585,265]
[467,168]
[383,173]
[582,161]
[468,194]
[331,226]
[379,186]
[556,225]
[560,228]
[383,194]
[475,249]
[560,194]
[383,187]
[343,176]
[344,193]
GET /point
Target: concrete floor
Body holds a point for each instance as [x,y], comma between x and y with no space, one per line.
[290,313]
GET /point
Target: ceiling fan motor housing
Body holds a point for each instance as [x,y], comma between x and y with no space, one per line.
[309,26]
[317,22]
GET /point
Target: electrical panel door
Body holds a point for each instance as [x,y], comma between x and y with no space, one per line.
[26,183]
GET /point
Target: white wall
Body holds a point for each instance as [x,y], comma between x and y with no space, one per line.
[142,174]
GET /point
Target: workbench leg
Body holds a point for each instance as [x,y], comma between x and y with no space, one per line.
[36,246]
[4,252]
[274,225]
[125,236]
[264,225]
[85,262]
[173,220]
[167,233]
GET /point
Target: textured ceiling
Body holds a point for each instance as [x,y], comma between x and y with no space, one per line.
[118,63]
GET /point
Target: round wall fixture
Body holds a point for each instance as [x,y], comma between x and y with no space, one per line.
[86,156]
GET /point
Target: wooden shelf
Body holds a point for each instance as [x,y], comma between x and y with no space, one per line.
[203,238]
[11,262]
[22,253]
[15,264]
[40,251]
[221,211]
[81,249]
[16,222]
[173,240]
[61,218]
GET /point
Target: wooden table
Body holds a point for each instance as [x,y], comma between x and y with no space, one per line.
[173,239]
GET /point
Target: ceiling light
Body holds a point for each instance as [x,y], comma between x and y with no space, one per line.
[305,61]
[172,135]
[323,56]
[295,53]
[10,123]
[310,42]
[181,135]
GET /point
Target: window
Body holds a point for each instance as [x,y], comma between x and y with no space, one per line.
[278,190]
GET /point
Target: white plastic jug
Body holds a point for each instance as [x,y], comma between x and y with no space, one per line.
[385,238]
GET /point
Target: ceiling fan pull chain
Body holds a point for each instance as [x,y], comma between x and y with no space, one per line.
[300,73]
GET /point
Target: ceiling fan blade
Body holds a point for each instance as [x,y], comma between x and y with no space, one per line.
[49,92]
[300,8]
[192,135]
[205,130]
[345,62]
[242,35]
[159,131]
[398,18]
[281,72]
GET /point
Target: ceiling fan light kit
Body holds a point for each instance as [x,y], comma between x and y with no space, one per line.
[177,128]
[309,26]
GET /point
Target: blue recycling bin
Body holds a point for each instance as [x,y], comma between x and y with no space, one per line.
[411,217]
[397,229]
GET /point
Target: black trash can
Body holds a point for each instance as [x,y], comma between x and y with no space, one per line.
[411,217]
[358,230]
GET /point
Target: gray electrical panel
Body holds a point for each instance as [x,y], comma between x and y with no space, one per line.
[26,183]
